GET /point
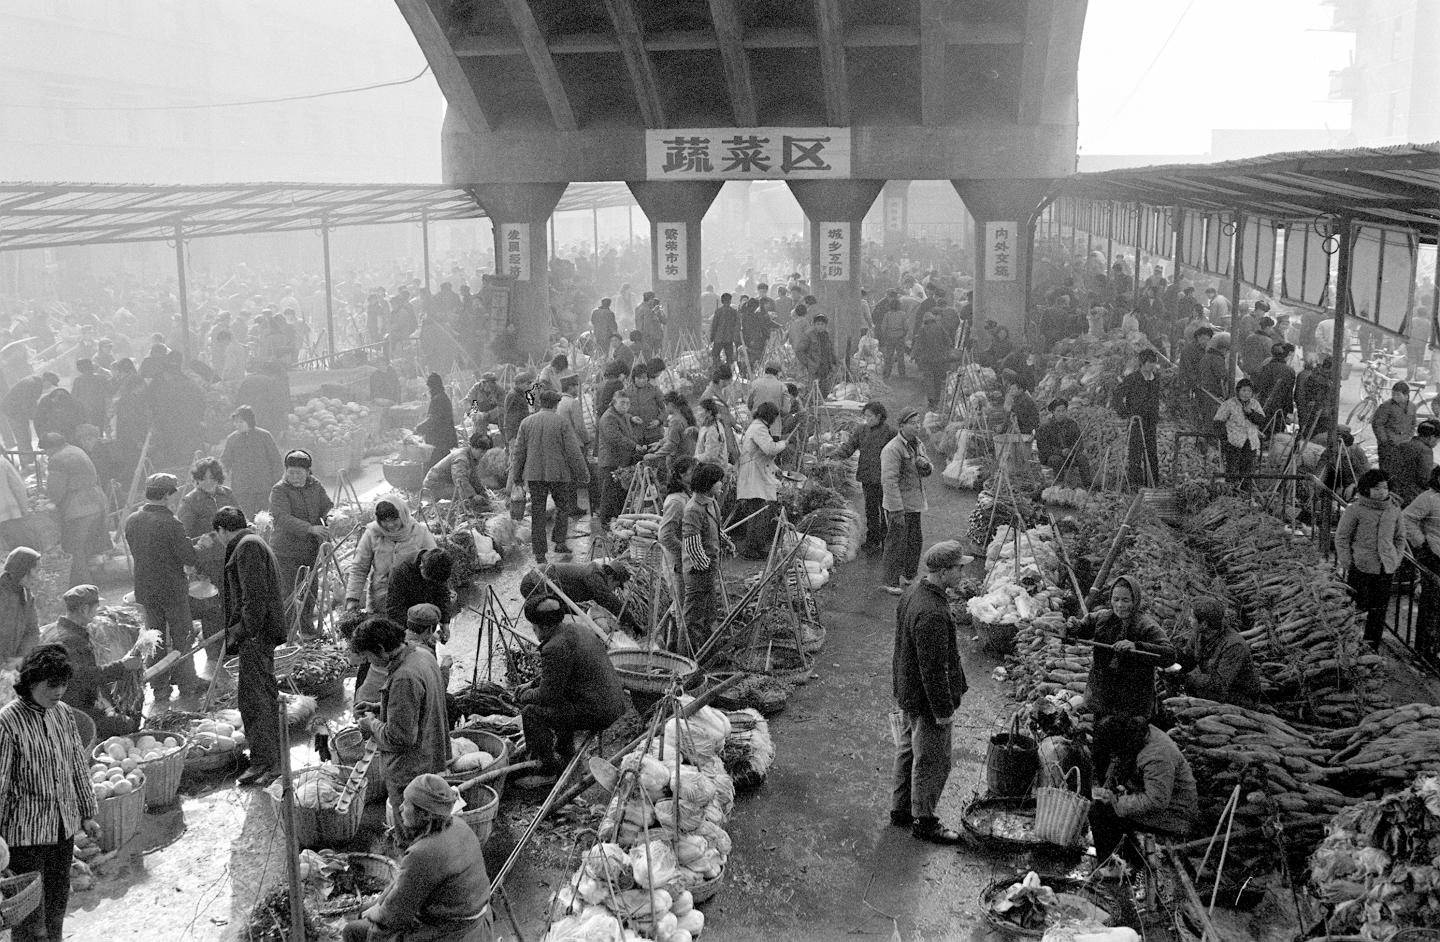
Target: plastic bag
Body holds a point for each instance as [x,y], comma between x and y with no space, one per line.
[593,924]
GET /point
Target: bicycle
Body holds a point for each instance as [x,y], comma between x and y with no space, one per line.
[1377,385]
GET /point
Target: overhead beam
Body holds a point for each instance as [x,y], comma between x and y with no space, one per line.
[831,28]
[1034,60]
[932,61]
[533,41]
[730,34]
[637,61]
[444,63]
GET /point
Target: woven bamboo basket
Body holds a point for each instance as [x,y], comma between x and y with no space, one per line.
[373,865]
[497,746]
[162,775]
[285,656]
[19,897]
[481,803]
[324,827]
[347,745]
[704,892]
[330,459]
[405,475]
[652,671]
[119,818]
[210,763]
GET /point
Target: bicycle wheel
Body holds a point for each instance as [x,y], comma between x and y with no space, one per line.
[1361,412]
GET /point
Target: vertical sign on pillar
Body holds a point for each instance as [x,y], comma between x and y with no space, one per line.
[1000,255]
[834,251]
[517,250]
[670,250]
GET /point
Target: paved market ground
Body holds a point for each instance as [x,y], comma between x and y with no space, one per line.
[813,858]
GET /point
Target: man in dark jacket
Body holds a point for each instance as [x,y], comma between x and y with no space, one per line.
[1274,385]
[19,408]
[928,682]
[1138,398]
[298,507]
[618,446]
[1219,662]
[1149,787]
[755,327]
[1410,464]
[409,725]
[869,437]
[577,690]
[603,325]
[91,389]
[254,625]
[1187,378]
[162,553]
[547,458]
[1129,646]
[89,687]
[57,411]
[582,582]
[724,333]
[816,353]
[1058,441]
[422,580]
[517,405]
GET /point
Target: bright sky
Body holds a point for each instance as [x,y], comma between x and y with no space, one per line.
[1229,64]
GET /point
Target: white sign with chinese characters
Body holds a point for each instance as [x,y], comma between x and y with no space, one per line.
[515,237]
[834,251]
[1000,250]
[670,251]
[747,154]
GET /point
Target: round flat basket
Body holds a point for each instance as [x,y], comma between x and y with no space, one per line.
[1118,910]
[1002,824]
[162,775]
[652,671]
[481,803]
[211,763]
[377,868]
[19,897]
[782,661]
[404,475]
[704,892]
[497,746]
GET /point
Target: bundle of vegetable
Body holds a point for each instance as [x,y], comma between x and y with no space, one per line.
[800,502]
[1030,904]
[326,421]
[484,698]
[840,529]
[1303,628]
[318,787]
[299,708]
[1281,771]
[1022,569]
[1077,497]
[1044,664]
[646,526]
[1387,747]
[317,666]
[1378,868]
[466,563]
[1105,436]
[465,756]
[1086,370]
[749,751]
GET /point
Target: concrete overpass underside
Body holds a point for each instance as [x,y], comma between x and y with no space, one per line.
[835,97]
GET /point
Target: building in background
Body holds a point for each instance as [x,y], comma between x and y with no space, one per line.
[1393,82]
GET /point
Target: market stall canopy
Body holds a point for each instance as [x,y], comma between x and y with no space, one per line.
[50,215]
[1390,186]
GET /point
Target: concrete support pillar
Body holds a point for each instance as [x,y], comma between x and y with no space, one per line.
[834,212]
[519,214]
[1004,233]
[675,211]
[895,211]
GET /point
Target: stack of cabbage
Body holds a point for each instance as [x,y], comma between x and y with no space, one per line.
[1018,591]
[326,421]
[813,560]
[663,835]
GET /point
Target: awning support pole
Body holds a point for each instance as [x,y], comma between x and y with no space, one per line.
[329,287]
[181,289]
[425,250]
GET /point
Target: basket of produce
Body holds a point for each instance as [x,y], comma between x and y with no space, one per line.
[1026,905]
[120,800]
[354,883]
[652,671]
[331,458]
[19,897]
[159,756]
[704,892]
[1002,824]
[403,475]
[285,658]
[481,803]
[415,450]
[763,693]
[318,669]
[473,751]
[318,823]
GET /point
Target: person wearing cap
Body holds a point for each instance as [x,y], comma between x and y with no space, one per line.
[1411,463]
[459,475]
[548,459]
[254,619]
[928,682]
[577,689]
[599,581]
[647,406]
[1275,387]
[617,447]
[299,507]
[816,354]
[57,410]
[724,333]
[253,461]
[517,404]
[409,723]
[484,401]
[423,628]
[19,621]
[73,486]
[903,468]
[650,322]
[162,554]
[1394,423]
[1217,661]
[438,427]
[442,891]
[1058,442]
[89,687]
[1137,399]
[756,326]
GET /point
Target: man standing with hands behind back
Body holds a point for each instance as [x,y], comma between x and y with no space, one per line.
[254,625]
[162,554]
[928,684]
